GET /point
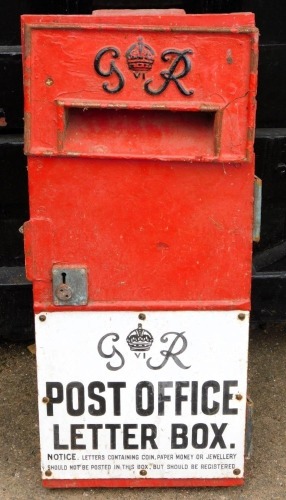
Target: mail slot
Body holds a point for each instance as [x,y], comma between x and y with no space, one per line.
[139,138]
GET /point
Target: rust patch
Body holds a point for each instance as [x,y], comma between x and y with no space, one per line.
[213,29]
[116,105]
[27,40]
[229,58]
[163,245]
[254,61]
[126,27]
[250,134]
[159,106]
[208,107]
[217,132]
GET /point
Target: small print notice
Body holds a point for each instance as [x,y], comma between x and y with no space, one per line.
[123,394]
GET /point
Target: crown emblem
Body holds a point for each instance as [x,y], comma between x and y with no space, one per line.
[139,339]
[140,58]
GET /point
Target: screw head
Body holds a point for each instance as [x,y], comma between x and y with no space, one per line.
[238,397]
[241,316]
[143,472]
[236,472]
[49,82]
[48,473]
[142,316]
[42,317]
[45,399]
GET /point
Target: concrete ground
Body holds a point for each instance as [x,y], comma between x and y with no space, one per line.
[265,472]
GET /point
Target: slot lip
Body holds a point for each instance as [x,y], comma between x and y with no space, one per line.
[64,105]
[178,105]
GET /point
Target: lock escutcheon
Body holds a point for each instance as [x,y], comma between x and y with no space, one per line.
[69,285]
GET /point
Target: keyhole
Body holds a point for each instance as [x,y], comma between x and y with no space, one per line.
[63,290]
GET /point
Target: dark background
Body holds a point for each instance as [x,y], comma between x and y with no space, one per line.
[269,269]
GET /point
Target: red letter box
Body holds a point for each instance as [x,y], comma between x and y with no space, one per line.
[139,134]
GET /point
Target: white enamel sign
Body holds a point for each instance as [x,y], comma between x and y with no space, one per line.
[163,396]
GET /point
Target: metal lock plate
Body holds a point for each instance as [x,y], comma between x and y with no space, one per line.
[69,286]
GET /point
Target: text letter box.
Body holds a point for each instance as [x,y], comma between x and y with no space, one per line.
[139,134]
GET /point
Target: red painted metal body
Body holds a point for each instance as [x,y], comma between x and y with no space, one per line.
[152,191]
[140,483]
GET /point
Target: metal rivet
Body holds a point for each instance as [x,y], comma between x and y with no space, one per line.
[48,473]
[49,82]
[46,399]
[241,316]
[42,317]
[143,472]
[142,316]
[236,472]
[238,397]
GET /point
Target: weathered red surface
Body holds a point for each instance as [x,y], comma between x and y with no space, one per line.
[141,483]
[221,76]
[151,192]
[153,235]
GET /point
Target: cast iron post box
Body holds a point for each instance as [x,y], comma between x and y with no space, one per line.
[139,134]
